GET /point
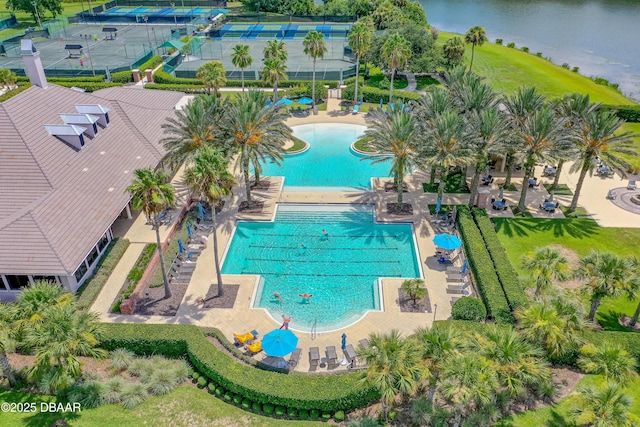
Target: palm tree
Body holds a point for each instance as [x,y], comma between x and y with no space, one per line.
[276,49]
[396,51]
[274,70]
[599,138]
[610,360]
[395,133]
[7,78]
[255,133]
[607,276]
[152,193]
[604,406]
[209,176]
[544,265]
[633,289]
[193,127]
[394,366]
[476,36]
[360,38]
[213,75]
[63,336]
[242,59]
[315,47]
[470,93]
[453,52]
[7,342]
[415,289]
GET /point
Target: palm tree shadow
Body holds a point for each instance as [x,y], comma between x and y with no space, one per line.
[576,228]
[609,320]
[557,420]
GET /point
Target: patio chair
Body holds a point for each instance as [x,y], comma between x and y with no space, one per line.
[457,288]
[350,354]
[185,266]
[255,348]
[454,269]
[456,277]
[294,359]
[631,185]
[314,357]
[245,338]
[611,195]
[356,109]
[332,356]
[363,343]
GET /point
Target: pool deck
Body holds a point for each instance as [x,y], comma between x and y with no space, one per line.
[242,318]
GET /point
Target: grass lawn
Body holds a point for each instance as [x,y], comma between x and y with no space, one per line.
[376,76]
[298,145]
[360,145]
[185,406]
[561,190]
[425,82]
[558,414]
[507,69]
[581,235]
[633,160]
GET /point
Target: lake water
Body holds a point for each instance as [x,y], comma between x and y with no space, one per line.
[599,36]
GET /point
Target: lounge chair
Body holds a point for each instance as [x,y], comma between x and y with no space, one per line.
[632,185]
[314,357]
[255,348]
[332,356]
[457,288]
[456,277]
[244,338]
[363,343]
[355,109]
[611,195]
[185,266]
[294,359]
[350,353]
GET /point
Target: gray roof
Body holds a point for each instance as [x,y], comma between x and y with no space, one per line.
[79,119]
[56,202]
[64,130]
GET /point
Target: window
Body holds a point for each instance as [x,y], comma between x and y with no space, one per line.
[80,272]
[53,279]
[17,282]
[93,255]
[104,242]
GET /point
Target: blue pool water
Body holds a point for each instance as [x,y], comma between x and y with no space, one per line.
[341,271]
[329,161]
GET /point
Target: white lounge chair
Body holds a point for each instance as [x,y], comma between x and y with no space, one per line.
[632,185]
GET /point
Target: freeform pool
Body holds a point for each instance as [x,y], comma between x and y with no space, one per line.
[340,270]
[329,161]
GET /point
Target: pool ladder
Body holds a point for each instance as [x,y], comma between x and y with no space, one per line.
[314,332]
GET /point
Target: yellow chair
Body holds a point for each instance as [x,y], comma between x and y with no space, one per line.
[244,338]
[256,347]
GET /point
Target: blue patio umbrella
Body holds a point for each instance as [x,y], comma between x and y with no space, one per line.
[180,246]
[381,103]
[284,101]
[438,205]
[305,100]
[279,342]
[447,241]
[189,229]
[344,341]
[268,104]
[200,210]
[465,265]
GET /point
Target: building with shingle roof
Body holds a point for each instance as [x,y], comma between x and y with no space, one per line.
[62,184]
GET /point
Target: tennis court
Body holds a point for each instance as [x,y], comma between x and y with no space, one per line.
[290,31]
[156,15]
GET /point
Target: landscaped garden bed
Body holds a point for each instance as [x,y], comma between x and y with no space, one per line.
[134,276]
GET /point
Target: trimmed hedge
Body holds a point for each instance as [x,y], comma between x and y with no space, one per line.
[87,86]
[177,87]
[331,393]
[629,113]
[373,94]
[469,308]
[13,92]
[283,83]
[89,291]
[152,63]
[122,77]
[482,268]
[506,273]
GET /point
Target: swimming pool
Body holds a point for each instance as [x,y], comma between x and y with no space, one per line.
[340,270]
[329,161]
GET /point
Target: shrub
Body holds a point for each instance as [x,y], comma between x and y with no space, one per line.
[136,273]
[326,416]
[280,411]
[177,87]
[237,399]
[220,391]
[629,113]
[372,94]
[13,92]
[482,268]
[292,413]
[524,49]
[339,416]
[122,77]
[228,396]
[539,54]
[384,84]
[112,392]
[499,41]
[576,69]
[163,382]
[246,404]
[211,388]
[196,377]
[89,291]
[89,395]
[88,86]
[303,414]
[257,407]
[121,359]
[511,45]
[314,414]
[133,395]
[565,65]
[469,308]
[268,409]
[152,63]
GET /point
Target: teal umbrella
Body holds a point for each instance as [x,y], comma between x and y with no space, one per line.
[305,100]
[447,241]
[284,101]
[279,342]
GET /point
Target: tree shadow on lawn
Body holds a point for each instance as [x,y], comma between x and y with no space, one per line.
[609,320]
[576,228]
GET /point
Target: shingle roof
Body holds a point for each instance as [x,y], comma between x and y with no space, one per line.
[56,202]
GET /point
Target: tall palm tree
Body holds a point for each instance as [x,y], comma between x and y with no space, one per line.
[242,59]
[604,406]
[394,366]
[315,47]
[470,93]
[633,287]
[255,133]
[7,78]
[396,51]
[476,36]
[396,134]
[544,265]
[446,144]
[193,127]
[273,70]
[607,275]
[209,176]
[151,192]
[63,336]
[360,38]
[599,138]
[610,360]
[213,75]
[276,49]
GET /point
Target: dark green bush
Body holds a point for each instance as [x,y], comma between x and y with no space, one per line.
[191,372]
[280,411]
[511,45]
[303,414]
[284,83]
[88,86]
[314,415]
[246,404]
[539,54]
[237,399]
[507,275]
[211,388]
[524,49]
[122,77]
[576,69]
[177,87]
[499,41]
[228,396]
[482,268]
[469,308]
[565,66]
[202,382]
[89,291]
[257,407]
[195,377]
[292,413]
[268,409]
[629,113]
[152,63]
[374,95]
[220,391]
[22,86]
[326,416]
[339,416]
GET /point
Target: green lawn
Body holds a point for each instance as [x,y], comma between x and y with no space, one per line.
[423,83]
[633,160]
[558,415]
[507,69]
[521,236]
[185,406]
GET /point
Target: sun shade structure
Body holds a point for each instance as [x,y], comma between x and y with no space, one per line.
[279,342]
[447,241]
